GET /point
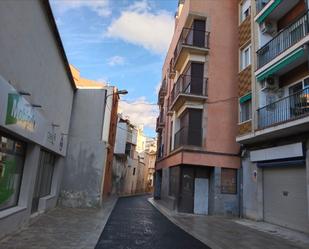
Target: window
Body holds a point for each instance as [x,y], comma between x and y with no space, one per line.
[245,10]
[245,111]
[245,57]
[228,181]
[134,171]
[12,154]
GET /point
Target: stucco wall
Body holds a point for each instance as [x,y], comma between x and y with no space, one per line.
[221,204]
[85,161]
[31,61]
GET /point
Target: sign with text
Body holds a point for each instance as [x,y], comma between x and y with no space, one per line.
[19,116]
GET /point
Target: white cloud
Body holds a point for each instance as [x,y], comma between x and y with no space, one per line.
[101,7]
[140,112]
[139,25]
[115,60]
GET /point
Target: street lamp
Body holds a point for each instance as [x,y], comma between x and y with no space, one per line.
[119,92]
[122,92]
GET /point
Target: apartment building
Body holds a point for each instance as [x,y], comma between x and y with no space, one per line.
[274,106]
[198,157]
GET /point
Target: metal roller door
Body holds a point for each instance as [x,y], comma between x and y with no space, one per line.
[285,197]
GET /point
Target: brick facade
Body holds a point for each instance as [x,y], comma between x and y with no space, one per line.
[244,128]
[244,79]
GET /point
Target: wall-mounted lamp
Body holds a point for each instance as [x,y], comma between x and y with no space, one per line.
[24,93]
[36,106]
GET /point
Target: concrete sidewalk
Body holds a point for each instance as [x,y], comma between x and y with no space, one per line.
[225,233]
[62,228]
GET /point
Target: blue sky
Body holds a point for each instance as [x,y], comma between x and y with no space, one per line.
[122,42]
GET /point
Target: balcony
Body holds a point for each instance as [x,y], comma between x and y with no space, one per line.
[186,136]
[190,41]
[274,9]
[160,123]
[171,70]
[188,88]
[283,40]
[260,4]
[162,93]
[289,108]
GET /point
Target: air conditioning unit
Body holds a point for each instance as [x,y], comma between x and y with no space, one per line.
[268,27]
[271,83]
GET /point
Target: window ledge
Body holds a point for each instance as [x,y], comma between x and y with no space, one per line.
[11,211]
[247,121]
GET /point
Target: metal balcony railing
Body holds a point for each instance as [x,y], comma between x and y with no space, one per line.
[288,108]
[192,37]
[260,4]
[187,136]
[283,40]
[188,84]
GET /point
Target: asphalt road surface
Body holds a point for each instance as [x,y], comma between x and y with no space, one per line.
[136,224]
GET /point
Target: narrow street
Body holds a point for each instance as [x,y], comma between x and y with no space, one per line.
[135,224]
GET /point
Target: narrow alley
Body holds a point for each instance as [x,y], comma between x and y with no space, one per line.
[136,224]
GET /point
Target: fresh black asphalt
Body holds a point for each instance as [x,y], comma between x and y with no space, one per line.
[136,224]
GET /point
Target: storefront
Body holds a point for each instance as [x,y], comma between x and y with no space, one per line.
[280,179]
[12,155]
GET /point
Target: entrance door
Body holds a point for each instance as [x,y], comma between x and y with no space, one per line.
[201,196]
[285,197]
[44,179]
[186,198]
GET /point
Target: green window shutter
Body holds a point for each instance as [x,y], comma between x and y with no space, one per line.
[245,98]
[281,64]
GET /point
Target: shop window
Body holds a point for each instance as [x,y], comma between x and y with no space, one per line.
[11,169]
[245,112]
[228,181]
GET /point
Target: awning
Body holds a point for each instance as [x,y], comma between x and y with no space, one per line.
[281,64]
[245,98]
[268,11]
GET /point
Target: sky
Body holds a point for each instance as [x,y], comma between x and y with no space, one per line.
[123,43]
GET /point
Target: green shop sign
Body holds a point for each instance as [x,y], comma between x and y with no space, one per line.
[19,112]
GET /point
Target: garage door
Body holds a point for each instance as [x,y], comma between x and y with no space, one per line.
[285,197]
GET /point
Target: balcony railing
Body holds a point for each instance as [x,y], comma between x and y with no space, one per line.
[192,37]
[188,84]
[283,40]
[187,136]
[260,4]
[286,109]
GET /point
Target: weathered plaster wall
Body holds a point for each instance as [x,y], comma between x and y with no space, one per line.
[85,161]
[221,204]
